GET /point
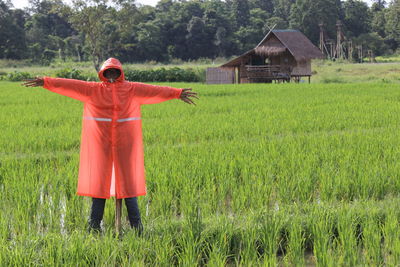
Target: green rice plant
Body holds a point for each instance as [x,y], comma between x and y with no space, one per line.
[322,236]
[295,254]
[190,241]
[269,226]
[188,251]
[218,253]
[248,254]
[372,240]
[164,246]
[391,236]
[348,239]
[255,174]
[220,248]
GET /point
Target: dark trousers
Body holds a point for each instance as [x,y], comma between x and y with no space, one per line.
[97,212]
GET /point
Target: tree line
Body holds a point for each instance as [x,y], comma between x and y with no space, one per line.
[180,29]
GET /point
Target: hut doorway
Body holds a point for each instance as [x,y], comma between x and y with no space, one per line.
[257,60]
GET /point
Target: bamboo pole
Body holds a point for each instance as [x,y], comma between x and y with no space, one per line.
[118,205]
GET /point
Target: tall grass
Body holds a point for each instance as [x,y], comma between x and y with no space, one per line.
[345,72]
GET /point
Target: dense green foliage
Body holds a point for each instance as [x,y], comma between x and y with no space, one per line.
[187,30]
[172,74]
[16,76]
[253,175]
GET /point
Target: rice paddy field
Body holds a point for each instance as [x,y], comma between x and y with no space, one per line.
[254,175]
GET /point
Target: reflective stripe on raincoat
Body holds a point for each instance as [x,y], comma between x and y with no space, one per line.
[111,156]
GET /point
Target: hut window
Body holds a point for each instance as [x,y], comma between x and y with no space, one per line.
[285,59]
[267,61]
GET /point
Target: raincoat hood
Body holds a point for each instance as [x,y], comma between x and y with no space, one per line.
[111,63]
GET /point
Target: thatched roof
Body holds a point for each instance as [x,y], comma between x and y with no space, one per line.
[271,46]
[298,45]
[269,50]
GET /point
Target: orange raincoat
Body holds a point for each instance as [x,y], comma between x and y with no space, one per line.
[111,157]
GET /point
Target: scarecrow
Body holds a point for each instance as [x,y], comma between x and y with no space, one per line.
[111,153]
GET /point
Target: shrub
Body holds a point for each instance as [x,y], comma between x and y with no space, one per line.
[174,74]
[162,74]
[3,75]
[16,76]
[71,74]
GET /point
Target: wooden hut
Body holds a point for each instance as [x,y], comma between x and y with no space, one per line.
[283,55]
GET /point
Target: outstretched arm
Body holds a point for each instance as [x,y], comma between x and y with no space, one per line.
[76,89]
[152,94]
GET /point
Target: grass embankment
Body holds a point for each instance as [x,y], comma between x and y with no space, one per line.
[334,72]
[253,175]
[323,71]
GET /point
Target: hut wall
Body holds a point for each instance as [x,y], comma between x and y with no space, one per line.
[302,68]
[287,62]
[242,69]
[275,60]
[220,75]
[243,74]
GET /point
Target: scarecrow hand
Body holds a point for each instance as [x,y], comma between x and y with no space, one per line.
[187,94]
[33,82]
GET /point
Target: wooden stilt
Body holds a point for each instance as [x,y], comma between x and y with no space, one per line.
[118,205]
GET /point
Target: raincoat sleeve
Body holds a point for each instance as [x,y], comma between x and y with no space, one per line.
[79,90]
[152,94]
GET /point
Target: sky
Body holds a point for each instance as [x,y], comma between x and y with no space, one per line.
[24,3]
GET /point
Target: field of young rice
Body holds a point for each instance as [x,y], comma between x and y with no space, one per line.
[254,175]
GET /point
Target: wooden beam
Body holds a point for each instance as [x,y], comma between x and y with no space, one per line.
[118,205]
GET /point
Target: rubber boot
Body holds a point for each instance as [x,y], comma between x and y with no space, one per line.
[134,214]
[96,214]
